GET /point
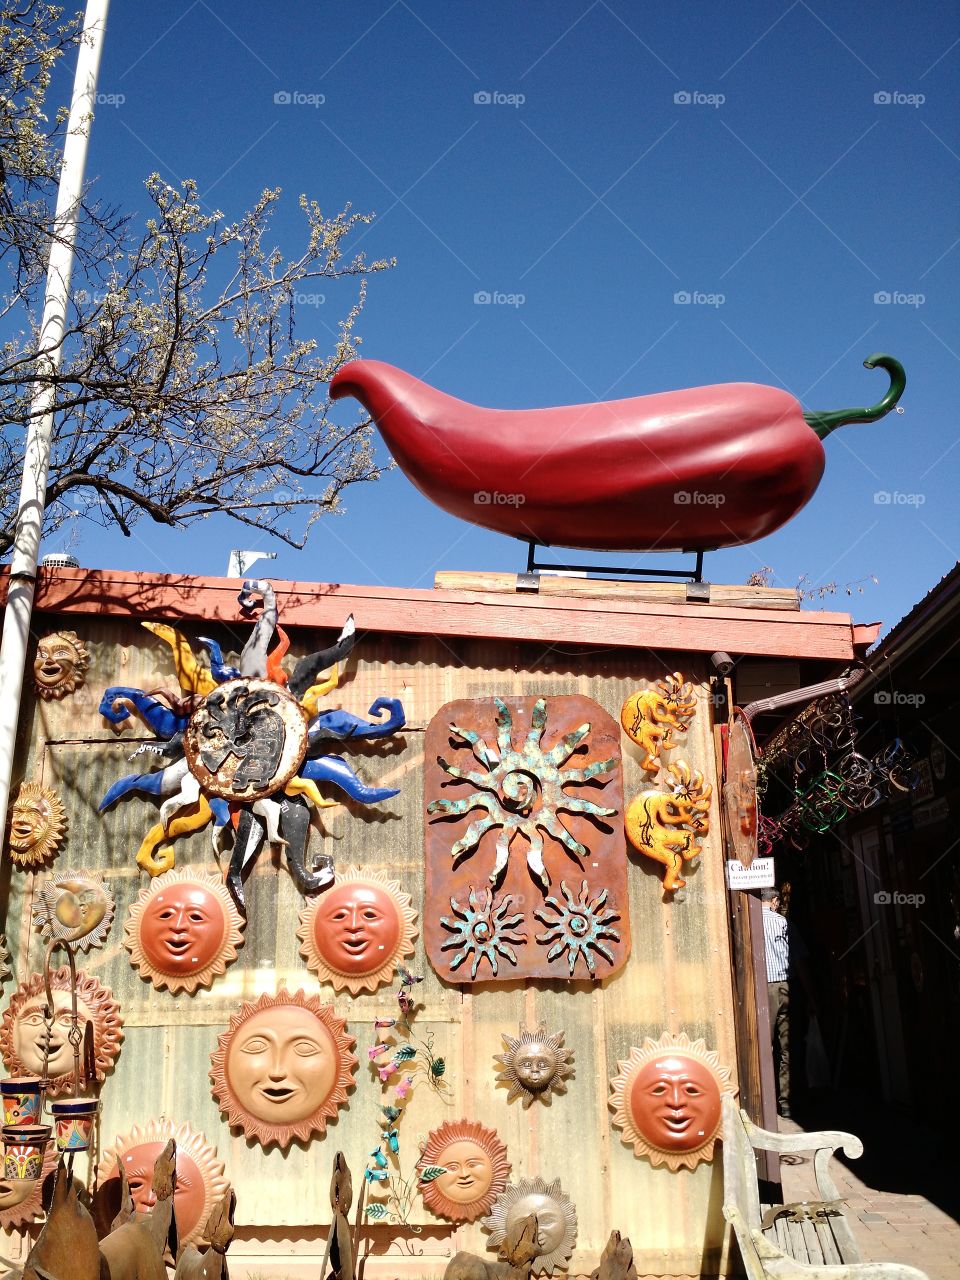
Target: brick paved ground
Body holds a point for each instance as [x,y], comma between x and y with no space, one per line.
[887,1190]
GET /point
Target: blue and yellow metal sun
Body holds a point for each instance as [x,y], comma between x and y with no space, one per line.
[243,748]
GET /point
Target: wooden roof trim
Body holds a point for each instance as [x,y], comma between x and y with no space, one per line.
[551,620]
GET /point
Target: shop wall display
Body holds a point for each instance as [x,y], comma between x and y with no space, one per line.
[669,970]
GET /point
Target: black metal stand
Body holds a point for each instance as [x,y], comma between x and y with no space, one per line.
[693,574]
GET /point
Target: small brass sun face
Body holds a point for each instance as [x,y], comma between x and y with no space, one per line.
[535,1066]
[37,824]
[74,907]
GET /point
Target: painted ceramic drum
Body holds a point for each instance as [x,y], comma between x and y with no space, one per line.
[23,1150]
[22,1097]
[183,930]
[354,935]
[73,1120]
[666,1100]
[282,1068]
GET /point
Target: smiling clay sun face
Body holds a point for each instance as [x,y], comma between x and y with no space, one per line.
[282,1068]
[183,930]
[475,1167]
[354,935]
[667,1098]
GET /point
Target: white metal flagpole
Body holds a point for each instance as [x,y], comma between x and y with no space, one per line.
[33,491]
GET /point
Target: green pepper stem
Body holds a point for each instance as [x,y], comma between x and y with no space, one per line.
[824,423]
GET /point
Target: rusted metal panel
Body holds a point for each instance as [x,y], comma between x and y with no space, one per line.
[525,865]
[677,976]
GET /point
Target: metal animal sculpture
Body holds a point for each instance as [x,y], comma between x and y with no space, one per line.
[616,1261]
[514,1260]
[134,1249]
[701,468]
[243,748]
[66,1248]
[668,825]
[210,1263]
[649,715]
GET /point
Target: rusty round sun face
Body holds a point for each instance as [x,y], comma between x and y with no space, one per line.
[666,1099]
[474,1168]
[282,1068]
[183,930]
[246,740]
[200,1176]
[354,935]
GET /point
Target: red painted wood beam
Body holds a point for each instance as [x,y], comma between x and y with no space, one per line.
[607,623]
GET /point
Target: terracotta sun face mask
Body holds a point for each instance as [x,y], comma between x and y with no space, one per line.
[60,665]
[475,1167]
[24,1034]
[200,1178]
[354,935]
[666,1100]
[183,930]
[282,1068]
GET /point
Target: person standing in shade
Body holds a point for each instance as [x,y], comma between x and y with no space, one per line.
[784,952]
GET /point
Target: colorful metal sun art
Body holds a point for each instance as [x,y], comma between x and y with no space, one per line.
[482,929]
[578,926]
[521,790]
[552,800]
[243,748]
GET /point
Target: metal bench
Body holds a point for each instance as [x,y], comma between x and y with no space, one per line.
[812,1238]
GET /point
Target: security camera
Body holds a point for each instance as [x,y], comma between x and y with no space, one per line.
[722,662]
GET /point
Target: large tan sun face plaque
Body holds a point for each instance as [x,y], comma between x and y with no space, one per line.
[354,935]
[23,1032]
[75,907]
[282,1068]
[475,1170]
[535,1066]
[60,665]
[666,1100]
[183,930]
[200,1180]
[556,1221]
[37,823]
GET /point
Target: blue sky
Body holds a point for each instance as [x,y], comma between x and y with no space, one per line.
[799,161]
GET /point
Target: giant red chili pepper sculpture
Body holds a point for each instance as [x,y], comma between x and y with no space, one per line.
[697,469]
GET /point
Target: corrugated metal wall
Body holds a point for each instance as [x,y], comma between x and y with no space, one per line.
[677,976]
